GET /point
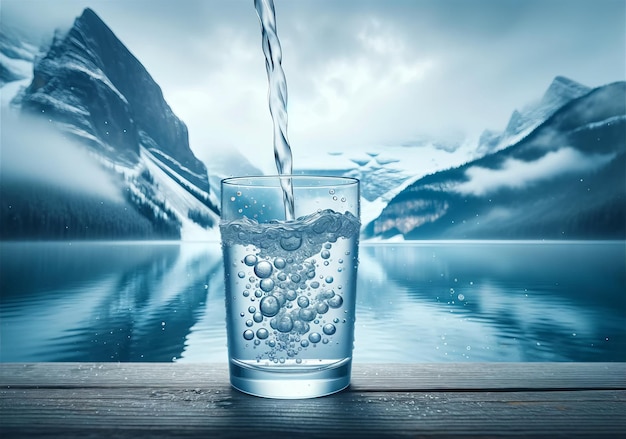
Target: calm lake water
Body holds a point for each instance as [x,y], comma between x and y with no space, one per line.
[420,302]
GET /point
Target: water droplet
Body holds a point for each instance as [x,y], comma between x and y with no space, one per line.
[331,191]
[241,275]
[269,306]
[262,333]
[329,279]
[314,337]
[263,269]
[329,329]
[336,301]
[232,198]
[461,296]
[248,334]
[250,260]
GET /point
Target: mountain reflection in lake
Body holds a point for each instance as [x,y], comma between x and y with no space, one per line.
[425,301]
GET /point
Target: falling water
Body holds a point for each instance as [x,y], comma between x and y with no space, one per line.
[277,99]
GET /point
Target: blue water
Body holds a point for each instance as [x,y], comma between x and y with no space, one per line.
[420,302]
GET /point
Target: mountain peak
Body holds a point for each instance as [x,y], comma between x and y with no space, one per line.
[563,89]
[89,79]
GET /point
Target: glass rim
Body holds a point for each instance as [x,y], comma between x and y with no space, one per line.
[298,180]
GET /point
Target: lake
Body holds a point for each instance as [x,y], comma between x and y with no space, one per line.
[417,302]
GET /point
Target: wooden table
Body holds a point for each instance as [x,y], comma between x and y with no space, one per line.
[384,400]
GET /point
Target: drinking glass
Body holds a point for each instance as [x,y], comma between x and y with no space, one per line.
[290,284]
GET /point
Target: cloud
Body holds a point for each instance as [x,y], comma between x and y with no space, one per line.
[518,174]
[31,150]
[360,73]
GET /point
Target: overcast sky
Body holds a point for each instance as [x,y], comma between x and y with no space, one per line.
[360,73]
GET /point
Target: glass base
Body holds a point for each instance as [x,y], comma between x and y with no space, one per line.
[290,382]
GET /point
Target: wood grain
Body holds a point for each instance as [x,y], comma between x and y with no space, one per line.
[421,400]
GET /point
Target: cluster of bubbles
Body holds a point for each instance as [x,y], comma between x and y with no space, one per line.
[286,295]
[290,306]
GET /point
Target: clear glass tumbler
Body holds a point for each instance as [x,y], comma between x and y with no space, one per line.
[290,285]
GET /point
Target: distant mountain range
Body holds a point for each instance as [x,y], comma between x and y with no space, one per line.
[566,179]
[97,93]
[556,171]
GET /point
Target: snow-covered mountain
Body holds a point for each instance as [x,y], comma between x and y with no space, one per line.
[564,180]
[92,88]
[524,121]
[86,84]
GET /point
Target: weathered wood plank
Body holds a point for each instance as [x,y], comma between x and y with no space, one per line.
[131,412]
[365,377]
[419,400]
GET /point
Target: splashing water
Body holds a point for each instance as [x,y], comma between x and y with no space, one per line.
[277,99]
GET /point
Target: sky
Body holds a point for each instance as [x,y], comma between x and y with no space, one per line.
[362,75]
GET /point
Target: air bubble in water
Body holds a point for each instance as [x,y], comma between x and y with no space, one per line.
[258,317]
[301,327]
[306,314]
[269,306]
[280,263]
[248,334]
[290,243]
[241,275]
[263,269]
[303,301]
[325,254]
[321,307]
[249,260]
[329,329]
[284,324]
[336,301]
[267,285]
[314,337]
[262,333]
